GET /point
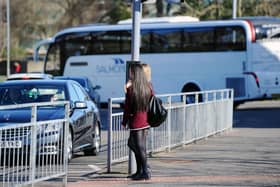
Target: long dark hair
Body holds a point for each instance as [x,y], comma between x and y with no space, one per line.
[141,90]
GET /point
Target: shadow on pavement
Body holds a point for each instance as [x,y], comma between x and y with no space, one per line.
[258,117]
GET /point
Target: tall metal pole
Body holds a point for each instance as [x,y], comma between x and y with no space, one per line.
[135,58]
[234,5]
[8,36]
[136,21]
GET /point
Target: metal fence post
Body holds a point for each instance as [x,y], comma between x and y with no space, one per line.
[152,139]
[109,149]
[169,123]
[184,123]
[33,143]
[197,126]
[231,106]
[206,97]
[196,97]
[215,105]
[66,134]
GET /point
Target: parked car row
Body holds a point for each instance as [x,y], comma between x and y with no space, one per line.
[82,80]
[85,123]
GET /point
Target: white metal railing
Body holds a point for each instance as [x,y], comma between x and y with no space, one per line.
[211,112]
[32,151]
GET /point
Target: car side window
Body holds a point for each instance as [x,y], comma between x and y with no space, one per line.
[73,94]
[81,93]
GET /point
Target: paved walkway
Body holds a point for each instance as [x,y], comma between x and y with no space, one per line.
[240,157]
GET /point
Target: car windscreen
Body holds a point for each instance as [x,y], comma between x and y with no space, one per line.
[20,94]
[82,82]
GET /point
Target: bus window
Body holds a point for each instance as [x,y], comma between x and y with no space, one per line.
[166,40]
[76,45]
[125,42]
[230,39]
[111,42]
[161,40]
[53,65]
[174,38]
[145,41]
[199,39]
[106,42]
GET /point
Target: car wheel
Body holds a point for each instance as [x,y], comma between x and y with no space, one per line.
[96,142]
[70,146]
[60,156]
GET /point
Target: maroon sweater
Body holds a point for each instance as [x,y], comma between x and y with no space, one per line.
[136,121]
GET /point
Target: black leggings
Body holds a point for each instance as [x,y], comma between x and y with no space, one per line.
[137,143]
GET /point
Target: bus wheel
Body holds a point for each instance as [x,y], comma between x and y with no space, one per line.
[191,98]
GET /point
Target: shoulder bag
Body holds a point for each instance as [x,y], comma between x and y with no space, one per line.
[156,113]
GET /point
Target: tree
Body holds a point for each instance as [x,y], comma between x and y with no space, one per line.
[201,8]
[74,12]
[115,11]
[36,20]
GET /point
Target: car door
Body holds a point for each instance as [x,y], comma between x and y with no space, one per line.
[77,118]
[85,128]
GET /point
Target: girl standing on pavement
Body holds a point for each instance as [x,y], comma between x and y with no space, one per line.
[138,94]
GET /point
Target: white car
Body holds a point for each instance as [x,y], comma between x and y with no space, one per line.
[27,76]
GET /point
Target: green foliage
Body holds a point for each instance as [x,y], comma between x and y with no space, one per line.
[16,53]
[2,78]
[118,13]
[118,10]
[222,9]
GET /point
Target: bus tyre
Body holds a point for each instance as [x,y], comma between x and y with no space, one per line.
[191,98]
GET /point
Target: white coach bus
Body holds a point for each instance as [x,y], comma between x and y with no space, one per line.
[184,57]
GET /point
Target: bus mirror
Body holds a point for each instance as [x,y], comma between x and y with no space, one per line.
[36,53]
[39,45]
[35,56]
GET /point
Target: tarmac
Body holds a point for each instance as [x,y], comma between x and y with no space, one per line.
[241,157]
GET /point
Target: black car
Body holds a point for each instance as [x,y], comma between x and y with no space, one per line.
[85,124]
[87,84]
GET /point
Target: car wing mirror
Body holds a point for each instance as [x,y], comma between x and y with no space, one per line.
[80,105]
[97,87]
